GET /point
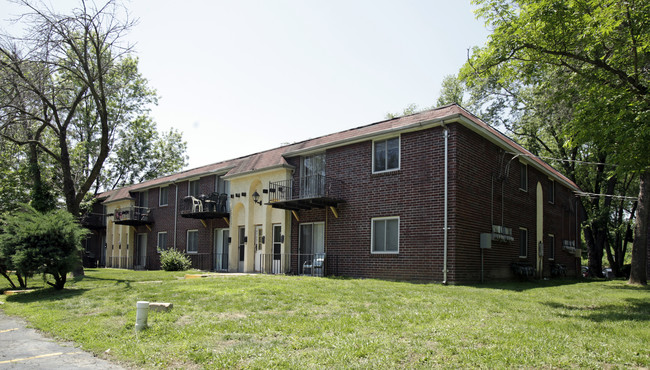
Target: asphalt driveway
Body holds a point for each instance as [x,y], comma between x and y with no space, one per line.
[26,348]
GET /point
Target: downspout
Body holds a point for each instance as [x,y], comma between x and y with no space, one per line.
[444,266]
[175,214]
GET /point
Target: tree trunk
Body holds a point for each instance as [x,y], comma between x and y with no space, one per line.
[638,271]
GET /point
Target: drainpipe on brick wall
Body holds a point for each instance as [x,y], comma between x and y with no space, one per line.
[444,266]
[175,213]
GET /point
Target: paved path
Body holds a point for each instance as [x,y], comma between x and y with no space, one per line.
[25,348]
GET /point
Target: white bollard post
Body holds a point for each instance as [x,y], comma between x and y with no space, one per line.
[141,315]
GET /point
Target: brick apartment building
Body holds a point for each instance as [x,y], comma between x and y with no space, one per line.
[438,196]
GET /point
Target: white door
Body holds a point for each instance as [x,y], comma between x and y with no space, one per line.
[221,249]
[258,248]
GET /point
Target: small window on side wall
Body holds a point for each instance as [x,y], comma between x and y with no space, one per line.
[162,241]
[385,235]
[551,191]
[551,247]
[162,199]
[386,155]
[523,176]
[523,242]
[192,241]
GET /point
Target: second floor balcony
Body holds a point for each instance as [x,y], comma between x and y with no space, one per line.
[205,207]
[306,192]
[133,216]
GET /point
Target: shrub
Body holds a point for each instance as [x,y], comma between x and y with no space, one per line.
[173,260]
[47,243]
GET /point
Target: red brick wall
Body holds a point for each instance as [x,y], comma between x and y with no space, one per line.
[164,219]
[478,162]
[415,194]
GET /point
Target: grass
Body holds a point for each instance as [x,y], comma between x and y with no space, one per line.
[263,321]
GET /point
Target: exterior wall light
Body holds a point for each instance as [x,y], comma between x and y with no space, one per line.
[256,198]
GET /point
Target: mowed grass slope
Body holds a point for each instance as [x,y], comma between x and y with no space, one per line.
[263,321]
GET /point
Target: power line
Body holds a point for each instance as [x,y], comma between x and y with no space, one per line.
[593,195]
[565,160]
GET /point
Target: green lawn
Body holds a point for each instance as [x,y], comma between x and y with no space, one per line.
[263,321]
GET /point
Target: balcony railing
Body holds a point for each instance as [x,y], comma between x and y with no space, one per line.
[133,216]
[93,221]
[274,263]
[306,192]
[210,206]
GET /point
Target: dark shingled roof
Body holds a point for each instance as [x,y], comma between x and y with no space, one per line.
[276,157]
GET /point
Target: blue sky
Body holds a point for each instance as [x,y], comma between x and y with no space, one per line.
[239,77]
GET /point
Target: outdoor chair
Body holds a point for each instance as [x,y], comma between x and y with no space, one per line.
[316,265]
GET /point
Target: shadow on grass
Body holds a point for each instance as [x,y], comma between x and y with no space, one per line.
[633,309]
[521,286]
[47,294]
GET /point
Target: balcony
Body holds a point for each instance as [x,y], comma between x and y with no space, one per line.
[306,192]
[93,221]
[205,207]
[133,216]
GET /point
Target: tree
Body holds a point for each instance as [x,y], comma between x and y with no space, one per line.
[67,65]
[602,46]
[452,91]
[42,243]
[141,153]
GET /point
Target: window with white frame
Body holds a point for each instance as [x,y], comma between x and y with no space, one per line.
[162,198]
[551,191]
[162,241]
[523,242]
[193,188]
[385,235]
[192,241]
[523,176]
[386,155]
[551,247]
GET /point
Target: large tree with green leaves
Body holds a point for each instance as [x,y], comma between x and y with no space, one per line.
[603,48]
[72,98]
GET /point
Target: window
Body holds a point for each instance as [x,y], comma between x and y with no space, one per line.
[523,177]
[551,247]
[162,199]
[143,199]
[192,241]
[386,155]
[193,188]
[551,191]
[523,242]
[385,235]
[221,185]
[312,181]
[162,241]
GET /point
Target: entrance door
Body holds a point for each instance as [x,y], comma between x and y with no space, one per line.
[141,250]
[258,248]
[540,231]
[276,267]
[221,249]
[242,248]
[312,241]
